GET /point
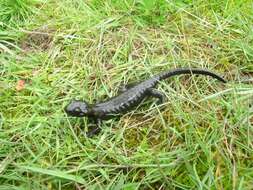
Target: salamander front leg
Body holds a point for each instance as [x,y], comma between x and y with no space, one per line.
[157,94]
[96,129]
[125,87]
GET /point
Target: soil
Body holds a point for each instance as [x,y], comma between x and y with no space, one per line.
[40,39]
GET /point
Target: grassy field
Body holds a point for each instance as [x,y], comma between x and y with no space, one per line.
[53,51]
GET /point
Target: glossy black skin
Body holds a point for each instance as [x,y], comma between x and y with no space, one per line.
[129,97]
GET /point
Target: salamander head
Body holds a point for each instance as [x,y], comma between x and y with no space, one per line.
[78,109]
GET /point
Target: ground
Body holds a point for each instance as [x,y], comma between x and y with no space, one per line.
[54,51]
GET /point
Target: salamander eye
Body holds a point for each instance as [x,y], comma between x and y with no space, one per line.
[77,110]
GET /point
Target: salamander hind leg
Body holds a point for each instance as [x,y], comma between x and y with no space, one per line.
[157,94]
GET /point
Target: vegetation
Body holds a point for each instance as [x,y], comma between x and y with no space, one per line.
[53,51]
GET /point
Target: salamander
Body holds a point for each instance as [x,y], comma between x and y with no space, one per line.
[129,97]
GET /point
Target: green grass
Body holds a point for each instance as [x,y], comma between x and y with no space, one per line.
[86,50]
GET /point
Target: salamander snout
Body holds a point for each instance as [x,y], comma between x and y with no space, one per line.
[78,108]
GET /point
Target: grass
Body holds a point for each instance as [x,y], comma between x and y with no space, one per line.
[68,49]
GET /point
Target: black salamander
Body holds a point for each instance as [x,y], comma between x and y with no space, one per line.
[130,97]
